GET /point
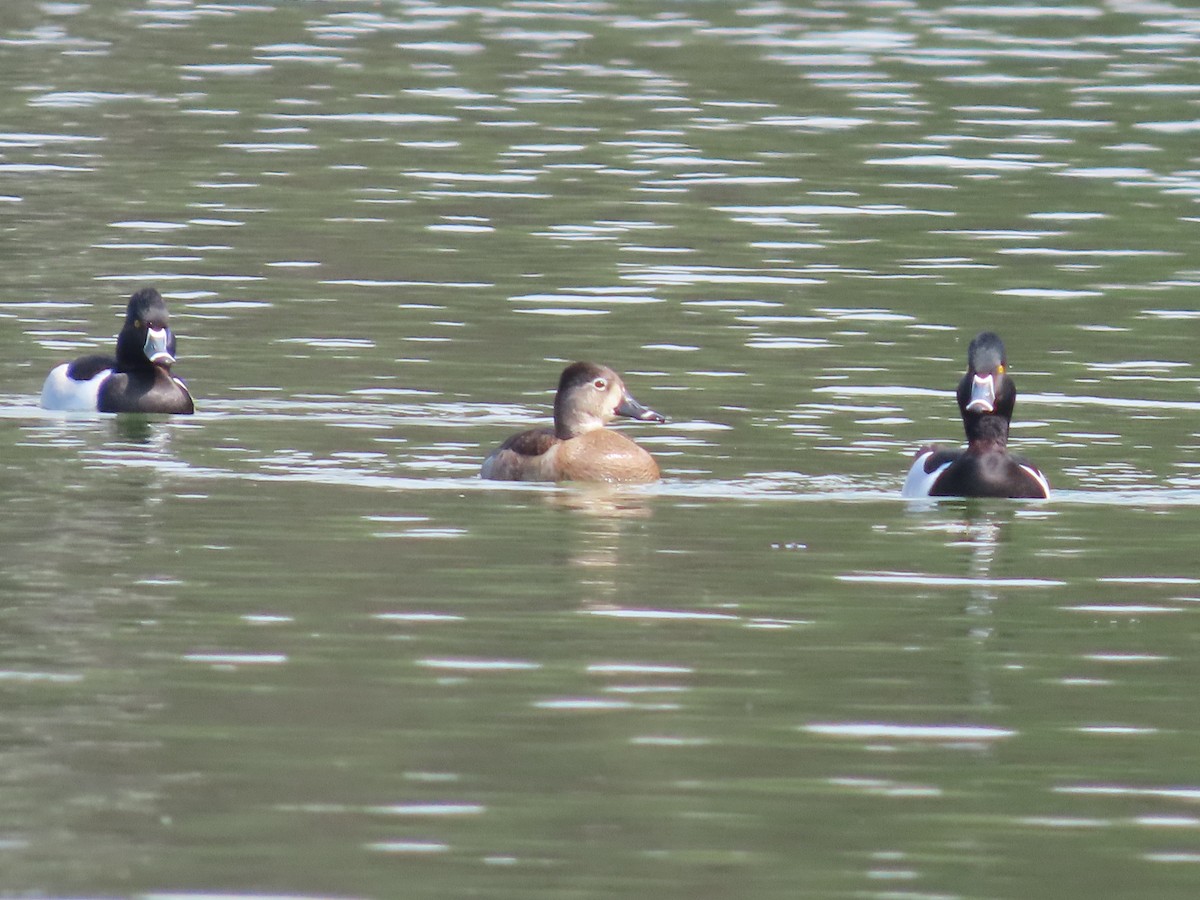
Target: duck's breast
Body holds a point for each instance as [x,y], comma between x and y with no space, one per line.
[604,455]
[991,474]
[161,393]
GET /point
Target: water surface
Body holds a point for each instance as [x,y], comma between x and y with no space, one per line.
[294,646]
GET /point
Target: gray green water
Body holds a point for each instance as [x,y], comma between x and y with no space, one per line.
[293,646]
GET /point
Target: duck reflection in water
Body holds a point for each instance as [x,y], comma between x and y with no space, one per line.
[579,447]
[601,501]
[603,535]
[982,532]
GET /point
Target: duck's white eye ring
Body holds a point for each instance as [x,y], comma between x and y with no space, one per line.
[599,384]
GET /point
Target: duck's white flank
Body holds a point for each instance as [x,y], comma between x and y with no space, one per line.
[1039,478]
[64,393]
[919,482]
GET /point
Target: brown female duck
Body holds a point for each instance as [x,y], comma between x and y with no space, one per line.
[579,447]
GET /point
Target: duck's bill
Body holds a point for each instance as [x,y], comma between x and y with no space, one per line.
[983,394]
[634,410]
[157,342]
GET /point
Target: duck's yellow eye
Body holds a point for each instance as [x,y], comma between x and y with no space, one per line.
[137,323]
[1000,369]
[599,384]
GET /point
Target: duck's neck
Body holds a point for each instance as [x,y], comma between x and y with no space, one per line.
[130,357]
[571,423]
[986,432]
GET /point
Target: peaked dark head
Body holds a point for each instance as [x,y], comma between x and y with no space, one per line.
[986,394]
[146,338]
[590,395]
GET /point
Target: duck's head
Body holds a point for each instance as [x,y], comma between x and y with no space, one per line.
[146,338]
[591,395]
[986,392]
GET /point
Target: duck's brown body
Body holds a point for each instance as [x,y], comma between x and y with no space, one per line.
[579,447]
[540,455]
